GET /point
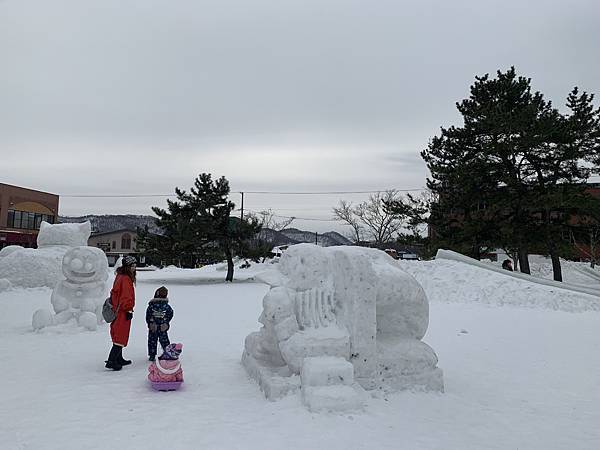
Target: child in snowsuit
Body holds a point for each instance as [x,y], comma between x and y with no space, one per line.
[158,315]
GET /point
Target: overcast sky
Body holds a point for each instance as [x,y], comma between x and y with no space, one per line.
[139,96]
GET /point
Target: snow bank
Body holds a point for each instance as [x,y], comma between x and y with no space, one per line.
[454,256]
[457,282]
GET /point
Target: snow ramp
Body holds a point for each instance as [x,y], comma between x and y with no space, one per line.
[454,278]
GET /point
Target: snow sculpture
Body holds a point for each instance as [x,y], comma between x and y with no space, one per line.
[81,295]
[41,267]
[333,309]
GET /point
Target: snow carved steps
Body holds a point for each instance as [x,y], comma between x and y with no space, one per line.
[328,385]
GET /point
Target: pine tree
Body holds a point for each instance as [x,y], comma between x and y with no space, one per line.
[200,223]
[509,175]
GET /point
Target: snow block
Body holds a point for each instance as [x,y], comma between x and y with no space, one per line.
[274,382]
[88,320]
[69,234]
[314,342]
[336,399]
[326,371]
[41,318]
[5,284]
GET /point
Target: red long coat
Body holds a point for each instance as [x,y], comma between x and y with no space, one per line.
[122,294]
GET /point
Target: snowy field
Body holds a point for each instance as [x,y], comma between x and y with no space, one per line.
[516,376]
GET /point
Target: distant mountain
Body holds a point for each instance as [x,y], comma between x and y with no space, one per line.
[324,239]
[289,236]
[111,222]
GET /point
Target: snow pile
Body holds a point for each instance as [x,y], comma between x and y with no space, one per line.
[41,267]
[453,281]
[30,268]
[9,249]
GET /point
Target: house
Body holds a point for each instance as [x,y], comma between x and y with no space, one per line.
[22,210]
[117,243]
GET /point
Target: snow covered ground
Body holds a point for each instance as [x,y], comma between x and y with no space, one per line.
[515,377]
[208,274]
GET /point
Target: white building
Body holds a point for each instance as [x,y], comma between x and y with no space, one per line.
[116,243]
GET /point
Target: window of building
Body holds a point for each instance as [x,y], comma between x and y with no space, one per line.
[114,244]
[27,220]
[126,241]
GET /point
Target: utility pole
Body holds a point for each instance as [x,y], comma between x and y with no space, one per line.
[242,213]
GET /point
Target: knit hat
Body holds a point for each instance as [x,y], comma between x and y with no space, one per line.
[128,261]
[161,292]
[172,352]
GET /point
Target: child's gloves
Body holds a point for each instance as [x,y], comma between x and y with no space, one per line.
[129,315]
[153,327]
[164,326]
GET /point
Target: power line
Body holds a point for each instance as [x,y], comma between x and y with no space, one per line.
[297,218]
[115,195]
[330,192]
[239,192]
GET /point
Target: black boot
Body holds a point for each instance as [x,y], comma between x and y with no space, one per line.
[123,362]
[113,361]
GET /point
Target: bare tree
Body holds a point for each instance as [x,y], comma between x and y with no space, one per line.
[372,218]
[345,213]
[590,248]
[267,220]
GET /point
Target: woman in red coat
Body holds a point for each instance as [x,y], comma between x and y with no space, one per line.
[123,301]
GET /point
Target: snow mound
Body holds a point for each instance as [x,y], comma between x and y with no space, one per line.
[9,249]
[457,282]
[31,268]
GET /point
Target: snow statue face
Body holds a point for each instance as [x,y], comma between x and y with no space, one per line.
[85,265]
[346,317]
[70,234]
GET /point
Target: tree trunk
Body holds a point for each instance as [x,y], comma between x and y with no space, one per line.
[515,259]
[524,261]
[556,269]
[229,276]
[476,251]
[592,250]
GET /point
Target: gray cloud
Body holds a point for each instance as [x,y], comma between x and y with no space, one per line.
[141,95]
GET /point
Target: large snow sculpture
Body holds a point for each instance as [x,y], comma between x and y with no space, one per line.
[81,295]
[41,267]
[330,306]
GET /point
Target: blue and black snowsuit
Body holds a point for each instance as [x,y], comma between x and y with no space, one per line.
[158,315]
